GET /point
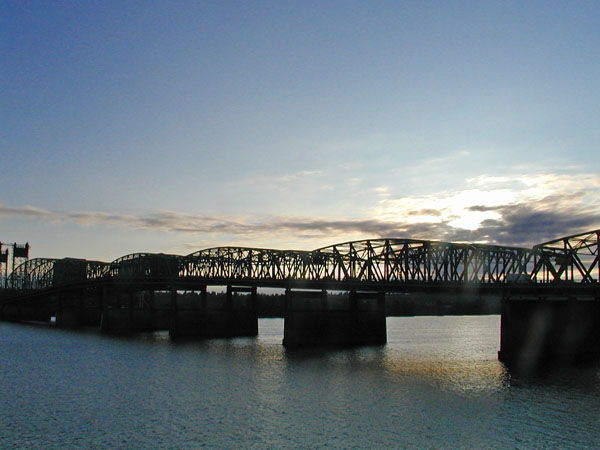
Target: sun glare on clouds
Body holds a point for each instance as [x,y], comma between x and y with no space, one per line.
[487,197]
[451,208]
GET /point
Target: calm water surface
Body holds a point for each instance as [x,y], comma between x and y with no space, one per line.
[436,384]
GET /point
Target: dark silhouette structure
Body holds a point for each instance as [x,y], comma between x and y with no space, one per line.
[551,292]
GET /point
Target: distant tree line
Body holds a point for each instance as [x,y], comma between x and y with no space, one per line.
[399,304]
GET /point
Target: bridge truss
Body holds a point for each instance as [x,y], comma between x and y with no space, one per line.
[46,273]
[571,258]
[389,261]
[389,264]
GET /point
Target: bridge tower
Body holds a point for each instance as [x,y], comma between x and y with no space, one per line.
[20,254]
[3,267]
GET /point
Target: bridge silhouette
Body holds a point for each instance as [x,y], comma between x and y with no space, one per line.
[560,278]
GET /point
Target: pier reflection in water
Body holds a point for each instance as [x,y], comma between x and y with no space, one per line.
[436,384]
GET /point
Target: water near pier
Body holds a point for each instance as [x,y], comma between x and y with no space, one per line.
[436,384]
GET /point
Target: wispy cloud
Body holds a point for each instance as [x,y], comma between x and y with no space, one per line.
[443,160]
[280,181]
[543,208]
[197,224]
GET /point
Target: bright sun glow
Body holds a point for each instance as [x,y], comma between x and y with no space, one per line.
[453,208]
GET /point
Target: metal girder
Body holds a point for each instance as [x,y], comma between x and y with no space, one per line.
[572,258]
[44,273]
[141,265]
[373,261]
[32,274]
[395,263]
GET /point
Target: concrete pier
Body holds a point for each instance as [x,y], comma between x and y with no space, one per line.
[198,314]
[535,331]
[188,313]
[73,308]
[27,312]
[115,311]
[313,318]
[69,309]
[127,310]
[242,306]
[91,305]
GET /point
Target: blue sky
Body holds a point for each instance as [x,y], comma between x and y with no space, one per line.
[175,126]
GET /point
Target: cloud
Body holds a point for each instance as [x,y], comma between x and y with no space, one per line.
[425,212]
[23,211]
[279,182]
[443,160]
[523,209]
[538,221]
[522,224]
[547,207]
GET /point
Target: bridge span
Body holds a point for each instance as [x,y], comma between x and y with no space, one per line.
[557,281]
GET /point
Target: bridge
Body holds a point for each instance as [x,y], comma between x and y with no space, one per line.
[557,281]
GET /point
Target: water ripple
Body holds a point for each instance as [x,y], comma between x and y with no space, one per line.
[436,384]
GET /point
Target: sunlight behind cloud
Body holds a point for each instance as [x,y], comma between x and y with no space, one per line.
[452,208]
[520,210]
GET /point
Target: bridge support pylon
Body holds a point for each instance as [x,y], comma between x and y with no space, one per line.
[242,310]
[312,318]
[126,310]
[39,310]
[196,314]
[188,313]
[69,309]
[537,329]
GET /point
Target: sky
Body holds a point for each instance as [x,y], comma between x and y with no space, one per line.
[142,126]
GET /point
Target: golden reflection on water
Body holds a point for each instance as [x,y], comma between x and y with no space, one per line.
[464,376]
[455,353]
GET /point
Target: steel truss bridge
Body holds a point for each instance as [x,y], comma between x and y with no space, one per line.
[375,264]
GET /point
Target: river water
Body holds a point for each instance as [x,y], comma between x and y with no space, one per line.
[436,384]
